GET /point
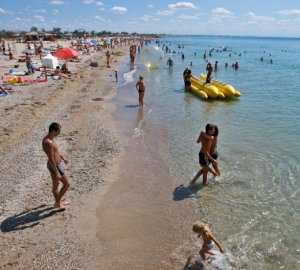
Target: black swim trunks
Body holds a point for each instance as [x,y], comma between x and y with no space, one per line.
[203,160]
[187,83]
[59,167]
[215,155]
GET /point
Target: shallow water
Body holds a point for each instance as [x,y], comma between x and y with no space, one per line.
[254,206]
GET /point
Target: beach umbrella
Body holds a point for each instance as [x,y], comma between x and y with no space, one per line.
[66,53]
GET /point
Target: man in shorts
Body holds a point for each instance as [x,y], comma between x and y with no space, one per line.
[55,165]
[205,156]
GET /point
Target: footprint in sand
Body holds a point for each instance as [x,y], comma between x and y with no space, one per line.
[74,108]
[38,103]
[98,99]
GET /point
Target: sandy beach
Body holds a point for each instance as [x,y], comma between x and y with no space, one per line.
[33,234]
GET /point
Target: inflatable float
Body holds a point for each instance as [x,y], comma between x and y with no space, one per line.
[213,90]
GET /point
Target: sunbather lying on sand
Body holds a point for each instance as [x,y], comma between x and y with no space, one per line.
[58,74]
[64,69]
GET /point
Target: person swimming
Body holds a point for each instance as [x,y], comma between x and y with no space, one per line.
[170,62]
[236,66]
[216,66]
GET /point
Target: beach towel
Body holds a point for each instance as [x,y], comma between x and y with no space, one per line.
[22,80]
[17,73]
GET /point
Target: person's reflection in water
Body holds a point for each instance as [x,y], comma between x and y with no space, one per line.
[140,118]
[140,123]
[131,66]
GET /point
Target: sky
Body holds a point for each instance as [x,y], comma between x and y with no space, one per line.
[216,17]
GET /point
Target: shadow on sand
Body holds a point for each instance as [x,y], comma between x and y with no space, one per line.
[28,219]
[186,192]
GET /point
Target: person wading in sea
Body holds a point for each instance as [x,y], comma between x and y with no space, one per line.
[208,153]
[55,165]
[140,86]
[209,70]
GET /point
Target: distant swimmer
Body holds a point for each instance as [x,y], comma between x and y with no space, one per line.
[226,65]
[203,231]
[170,62]
[55,165]
[271,61]
[204,55]
[208,153]
[216,66]
[195,54]
[209,70]
[140,86]
[230,55]
[236,66]
[261,59]
[182,56]
[191,63]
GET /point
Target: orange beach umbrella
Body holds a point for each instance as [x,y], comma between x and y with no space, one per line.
[66,53]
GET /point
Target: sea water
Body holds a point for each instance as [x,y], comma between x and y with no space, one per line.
[254,207]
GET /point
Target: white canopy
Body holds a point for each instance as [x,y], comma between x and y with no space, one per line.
[50,61]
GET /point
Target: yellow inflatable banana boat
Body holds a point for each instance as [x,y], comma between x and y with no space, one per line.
[205,91]
[213,90]
[228,90]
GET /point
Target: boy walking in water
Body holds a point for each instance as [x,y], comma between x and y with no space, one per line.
[208,141]
[55,165]
[140,86]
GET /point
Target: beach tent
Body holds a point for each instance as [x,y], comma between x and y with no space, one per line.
[66,53]
[50,61]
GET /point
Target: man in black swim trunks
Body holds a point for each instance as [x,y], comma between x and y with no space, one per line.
[205,157]
[55,165]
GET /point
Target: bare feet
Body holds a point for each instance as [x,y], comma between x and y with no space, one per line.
[62,205]
[59,205]
[65,203]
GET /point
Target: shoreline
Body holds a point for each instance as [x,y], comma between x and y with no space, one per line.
[140,223]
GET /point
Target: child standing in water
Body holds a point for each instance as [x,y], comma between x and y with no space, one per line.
[205,233]
[140,86]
